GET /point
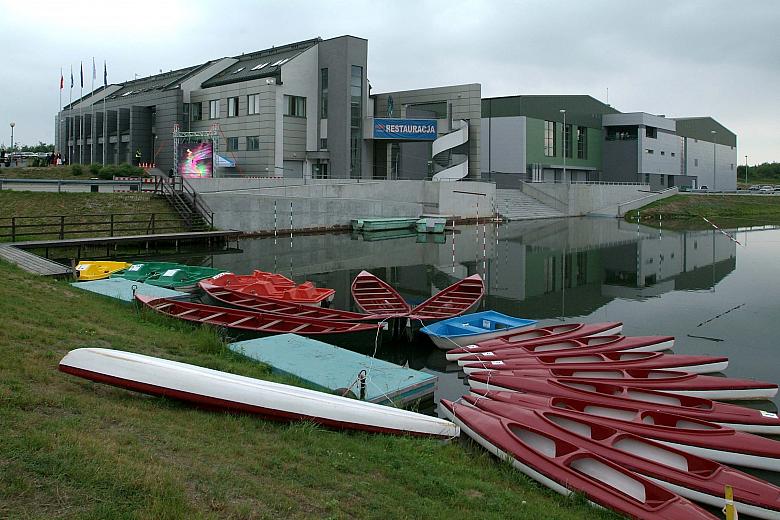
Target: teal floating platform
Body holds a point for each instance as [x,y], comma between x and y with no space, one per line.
[122,289]
[329,368]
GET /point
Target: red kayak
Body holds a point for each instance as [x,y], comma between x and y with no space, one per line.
[709,387]
[565,467]
[257,303]
[452,301]
[643,360]
[563,331]
[272,285]
[730,415]
[702,438]
[576,346]
[688,475]
[376,297]
[249,320]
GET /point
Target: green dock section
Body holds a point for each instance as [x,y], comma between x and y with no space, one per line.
[122,289]
[329,368]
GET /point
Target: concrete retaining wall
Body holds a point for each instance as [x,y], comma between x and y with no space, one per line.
[593,199]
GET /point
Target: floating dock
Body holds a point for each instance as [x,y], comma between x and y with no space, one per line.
[122,289]
[329,368]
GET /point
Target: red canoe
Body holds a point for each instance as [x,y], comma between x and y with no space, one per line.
[702,438]
[376,297]
[643,360]
[565,467]
[564,331]
[249,320]
[271,306]
[709,387]
[272,285]
[691,476]
[732,416]
[452,301]
[576,346]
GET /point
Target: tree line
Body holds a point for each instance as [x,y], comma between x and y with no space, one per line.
[40,147]
[760,171]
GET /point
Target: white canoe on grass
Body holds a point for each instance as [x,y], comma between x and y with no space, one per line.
[220,390]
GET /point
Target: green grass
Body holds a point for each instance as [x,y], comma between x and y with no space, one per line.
[78,206]
[726,211]
[50,172]
[71,448]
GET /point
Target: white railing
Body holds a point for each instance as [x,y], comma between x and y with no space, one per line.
[625,207]
[447,142]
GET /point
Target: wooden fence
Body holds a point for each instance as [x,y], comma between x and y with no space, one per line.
[96,225]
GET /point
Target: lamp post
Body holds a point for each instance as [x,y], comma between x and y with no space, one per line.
[714,163]
[746,170]
[563,133]
[12,135]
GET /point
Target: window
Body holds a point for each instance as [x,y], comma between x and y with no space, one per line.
[356,121]
[232,144]
[253,143]
[732,166]
[253,104]
[238,70]
[323,144]
[567,141]
[673,154]
[549,139]
[651,132]
[663,153]
[214,109]
[649,151]
[232,103]
[196,111]
[695,162]
[260,66]
[295,106]
[280,62]
[582,142]
[320,171]
[323,93]
[434,109]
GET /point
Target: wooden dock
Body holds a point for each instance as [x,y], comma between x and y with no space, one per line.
[33,263]
[330,368]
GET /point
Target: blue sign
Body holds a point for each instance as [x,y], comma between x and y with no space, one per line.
[409,129]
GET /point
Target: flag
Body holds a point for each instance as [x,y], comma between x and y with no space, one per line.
[71,77]
[62,80]
[94,72]
[81,72]
[105,74]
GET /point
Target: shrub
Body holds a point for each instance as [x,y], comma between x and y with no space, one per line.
[94,169]
[76,169]
[126,170]
[107,172]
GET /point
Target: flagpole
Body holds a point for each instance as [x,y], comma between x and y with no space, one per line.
[81,113]
[59,115]
[92,119]
[72,121]
[105,114]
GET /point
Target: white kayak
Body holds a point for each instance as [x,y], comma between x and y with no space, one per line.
[220,390]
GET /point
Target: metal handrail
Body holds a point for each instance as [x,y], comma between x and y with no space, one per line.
[543,197]
[656,196]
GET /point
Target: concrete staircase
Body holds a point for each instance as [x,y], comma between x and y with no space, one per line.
[516,205]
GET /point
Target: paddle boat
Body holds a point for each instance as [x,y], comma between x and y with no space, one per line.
[233,393]
[89,270]
[183,278]
[567,467]
[382,224]
[275,286]
[472,328]
[139,272]
[701,438]
[733,416]
[693,477]
[562,331]
[250,320]
[430,225]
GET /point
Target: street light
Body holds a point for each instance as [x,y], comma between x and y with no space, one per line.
[563,111]
[714,173]
[746,170]
[12,135]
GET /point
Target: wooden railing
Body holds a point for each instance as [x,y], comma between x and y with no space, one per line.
[95,225]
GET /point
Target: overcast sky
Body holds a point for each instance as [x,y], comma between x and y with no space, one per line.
[679,58]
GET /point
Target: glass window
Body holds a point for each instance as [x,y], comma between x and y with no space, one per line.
[323,93]
[651,132]
[232,144]
[695,162]
[232,103]
[253,143]
[356,122]
[549,139]
[649,151]
[582,142]
[435,109]
[253,104]
[320,170]
[323,144]
[295,106]
[196,111]
[567,141]
[214,109]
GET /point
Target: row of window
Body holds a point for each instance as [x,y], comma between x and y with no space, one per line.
[252,143]
[651,151]
[293,106]
[551,140]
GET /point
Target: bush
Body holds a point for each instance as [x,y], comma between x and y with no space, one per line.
[76,169]
[94,169]
[107,172]
[126,170]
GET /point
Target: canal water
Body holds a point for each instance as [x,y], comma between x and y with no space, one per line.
[716,294]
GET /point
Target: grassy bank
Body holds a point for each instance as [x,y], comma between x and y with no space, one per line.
[724,210]
[70,172]
[39,204]
[75,449]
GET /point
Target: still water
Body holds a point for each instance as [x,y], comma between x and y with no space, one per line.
[714,294]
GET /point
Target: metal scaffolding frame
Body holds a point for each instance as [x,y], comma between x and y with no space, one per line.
[180,137]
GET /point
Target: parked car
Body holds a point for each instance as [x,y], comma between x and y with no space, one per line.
[777,187]
[754,187]
[767,189]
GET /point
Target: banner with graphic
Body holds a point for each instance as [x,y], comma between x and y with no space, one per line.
[405,129]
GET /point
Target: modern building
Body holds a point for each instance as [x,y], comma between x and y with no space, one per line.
[578,138]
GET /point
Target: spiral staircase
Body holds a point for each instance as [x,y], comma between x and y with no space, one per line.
[448,163]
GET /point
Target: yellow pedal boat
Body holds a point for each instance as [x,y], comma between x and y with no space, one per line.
[96,270]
